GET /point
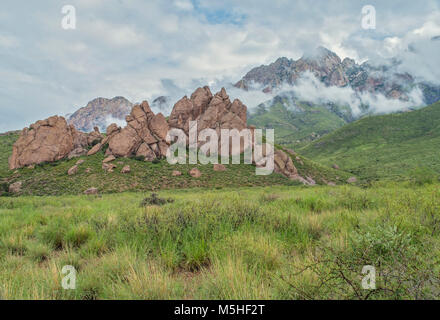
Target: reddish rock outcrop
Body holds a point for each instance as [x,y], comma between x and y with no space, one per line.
[143,136]
[44,141]
[144,133]
[50,140]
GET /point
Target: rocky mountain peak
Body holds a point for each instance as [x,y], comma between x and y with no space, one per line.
[327,67]
[100,112]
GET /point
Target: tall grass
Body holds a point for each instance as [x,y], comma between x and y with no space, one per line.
[248,243]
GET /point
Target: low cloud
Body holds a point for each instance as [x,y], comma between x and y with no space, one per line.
[311,89]
[119,122]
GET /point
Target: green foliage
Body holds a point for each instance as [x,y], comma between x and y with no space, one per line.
[383,147]
[154,200]
[242,243]
[296,123]
[402,268]
[6,142]
[423,175]
[139,158]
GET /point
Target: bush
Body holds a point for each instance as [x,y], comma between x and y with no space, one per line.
[422,176]
[104,148]
[401,273]
[78,235]
[4,189]
[154,200]
[139,158]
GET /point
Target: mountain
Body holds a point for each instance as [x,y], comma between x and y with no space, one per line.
[100,112]
[162,104]
[387,146]
[328,68]
[298,122]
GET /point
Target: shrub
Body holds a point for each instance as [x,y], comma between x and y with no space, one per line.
[154,200]
[269,197]
[78,235]
[139,158]
[400,271]
[38,252]
[423,175]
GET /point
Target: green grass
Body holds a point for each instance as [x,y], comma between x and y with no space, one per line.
[242,243]
[384,147]
[6,142]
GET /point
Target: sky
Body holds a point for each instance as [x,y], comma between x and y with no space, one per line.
[143,49]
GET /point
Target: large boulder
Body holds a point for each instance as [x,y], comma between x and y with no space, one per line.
[159,126]
[91,191]
[44,141]
[283,164]
[195,173]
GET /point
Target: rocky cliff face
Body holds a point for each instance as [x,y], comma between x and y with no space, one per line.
[99,112]
[328,68]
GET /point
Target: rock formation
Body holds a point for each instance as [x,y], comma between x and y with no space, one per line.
[47,141]
[144,135]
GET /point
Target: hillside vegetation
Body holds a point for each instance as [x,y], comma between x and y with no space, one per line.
[297,123]
[394,146]
[248,243]
[52,178]
[6,142]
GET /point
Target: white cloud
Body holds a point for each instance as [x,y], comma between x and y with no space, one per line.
[185,5]
[129,47]
[8,41]
[311,89]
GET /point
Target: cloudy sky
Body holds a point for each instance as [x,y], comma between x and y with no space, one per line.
[143,49]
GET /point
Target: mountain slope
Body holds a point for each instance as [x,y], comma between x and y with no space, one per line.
[100,112]
[298,122]
[52,178]
[389,146]
[6,141]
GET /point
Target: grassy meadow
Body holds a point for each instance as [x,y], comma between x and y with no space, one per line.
[285,242]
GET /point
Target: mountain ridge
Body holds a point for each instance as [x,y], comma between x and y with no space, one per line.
[328,67]
[100,112]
